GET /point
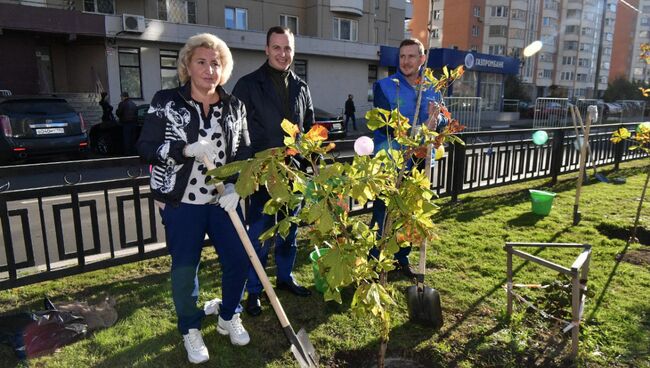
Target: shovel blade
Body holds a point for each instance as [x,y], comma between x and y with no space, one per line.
[303,350]
[424,306]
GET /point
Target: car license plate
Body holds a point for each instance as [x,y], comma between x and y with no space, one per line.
[45,131]
[336,126]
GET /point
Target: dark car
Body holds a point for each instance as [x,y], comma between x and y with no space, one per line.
[333,123]
[106,137]
[38,126]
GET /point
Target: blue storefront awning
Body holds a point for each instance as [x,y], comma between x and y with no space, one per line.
[389,56]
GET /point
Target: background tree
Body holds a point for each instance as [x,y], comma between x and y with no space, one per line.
[514,89]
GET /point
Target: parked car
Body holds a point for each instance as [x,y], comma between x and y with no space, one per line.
[39,125]
[106,137]
[334,123]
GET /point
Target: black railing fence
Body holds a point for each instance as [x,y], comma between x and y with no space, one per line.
[85,222]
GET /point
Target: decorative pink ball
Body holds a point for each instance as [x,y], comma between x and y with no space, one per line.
[364,146]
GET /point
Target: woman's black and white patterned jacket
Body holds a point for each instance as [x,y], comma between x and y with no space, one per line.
[172,122]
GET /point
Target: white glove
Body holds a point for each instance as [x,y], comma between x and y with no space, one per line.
[229,199]
[200,149]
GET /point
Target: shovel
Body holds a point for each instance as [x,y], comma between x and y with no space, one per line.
[302,349]
[581,140]
[577,216]
[424,302]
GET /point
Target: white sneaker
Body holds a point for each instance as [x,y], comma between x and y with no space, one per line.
[196,350]
[211,306]
[234,328]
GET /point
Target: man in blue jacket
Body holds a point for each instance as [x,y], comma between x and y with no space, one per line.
[273,93]
[400,90]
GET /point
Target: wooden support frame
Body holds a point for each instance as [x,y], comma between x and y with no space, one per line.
[577,272]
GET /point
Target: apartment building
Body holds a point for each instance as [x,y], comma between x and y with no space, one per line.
[51,46]
[633,23]
[575,35]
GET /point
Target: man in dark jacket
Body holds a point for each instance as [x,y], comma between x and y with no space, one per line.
[127,112]
[349,112]
[273,93]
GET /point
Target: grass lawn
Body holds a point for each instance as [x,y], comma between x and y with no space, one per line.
[467,265]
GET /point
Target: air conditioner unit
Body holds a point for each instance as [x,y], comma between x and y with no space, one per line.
[133,23]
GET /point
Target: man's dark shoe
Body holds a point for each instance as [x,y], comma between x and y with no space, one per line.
[405,270]
[253,305]
[294,288]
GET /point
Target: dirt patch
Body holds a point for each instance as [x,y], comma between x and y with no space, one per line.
[367,359]
[639,257]
[614,231]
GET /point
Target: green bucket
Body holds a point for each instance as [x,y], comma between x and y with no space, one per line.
[319,281]
[542,201]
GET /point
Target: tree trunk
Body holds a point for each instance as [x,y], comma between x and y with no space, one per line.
[381,356]
[633,238]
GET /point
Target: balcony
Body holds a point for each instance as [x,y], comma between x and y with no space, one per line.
[352,7]
[55,4]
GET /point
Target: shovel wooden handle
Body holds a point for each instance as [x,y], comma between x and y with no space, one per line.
[252,255]
[423,247]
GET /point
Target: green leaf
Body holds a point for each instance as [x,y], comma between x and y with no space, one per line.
[269,233]
[247,182]
[228,170]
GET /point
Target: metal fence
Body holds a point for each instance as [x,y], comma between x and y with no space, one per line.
[550,112]
[467,110]
[510,105]
[77,227]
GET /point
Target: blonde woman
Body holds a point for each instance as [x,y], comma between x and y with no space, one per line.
[183,125]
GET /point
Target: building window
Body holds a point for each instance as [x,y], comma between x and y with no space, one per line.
[547,73]
[372,78]
[475,31]
[568,60]
[548,40]
[436,14]
[236,18]
[518,14]
[290,22]
[435,33]
[580,77]
[606,65]
[130,78]
[500,11]
[570,45]
[100,6]
[477,11]
[584,62]
[300,68]
[497,49]
[498,31]
[551,4]
[177,11]
[473,48]
[191,12]
[573,13]
[571,29]
[586,47]
[566,76]
[168,73]
[345,29]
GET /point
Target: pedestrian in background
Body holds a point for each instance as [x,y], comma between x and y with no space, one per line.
[127,112]
[349,113]
[107,109]
[184,126]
